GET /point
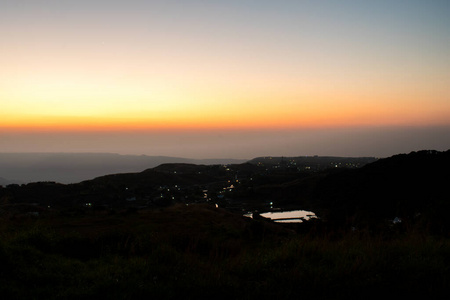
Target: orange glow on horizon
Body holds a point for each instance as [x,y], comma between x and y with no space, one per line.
[78,66]
[199,122]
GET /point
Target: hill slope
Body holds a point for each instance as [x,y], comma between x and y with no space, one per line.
[405,185]
[76,167]
[413,187]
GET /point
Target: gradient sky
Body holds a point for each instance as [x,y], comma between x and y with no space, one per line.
[225,78]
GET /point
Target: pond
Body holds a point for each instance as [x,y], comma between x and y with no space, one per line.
[291,216]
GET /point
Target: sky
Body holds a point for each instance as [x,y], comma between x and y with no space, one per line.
[235,79]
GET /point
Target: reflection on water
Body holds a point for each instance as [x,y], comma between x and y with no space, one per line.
[292,216]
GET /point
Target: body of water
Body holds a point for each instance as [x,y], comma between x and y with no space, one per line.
[291,216]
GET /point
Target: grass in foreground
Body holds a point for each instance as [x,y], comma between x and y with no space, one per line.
[198,251]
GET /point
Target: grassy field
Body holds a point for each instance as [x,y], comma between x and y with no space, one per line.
[200,251]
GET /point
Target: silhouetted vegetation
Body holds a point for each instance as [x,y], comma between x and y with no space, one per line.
[198,250]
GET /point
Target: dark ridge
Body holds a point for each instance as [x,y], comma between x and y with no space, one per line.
[412,187]
[404,185]
[77,167]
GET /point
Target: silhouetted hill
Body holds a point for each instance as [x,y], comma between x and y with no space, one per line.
[412,187]
[4,181]
[163,175]
[160,186]
[76,167]
[408,186]
[181,168]
[118,236]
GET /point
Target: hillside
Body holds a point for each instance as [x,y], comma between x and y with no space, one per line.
[412,187]
[76,167]
[177,231]
[407,186]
